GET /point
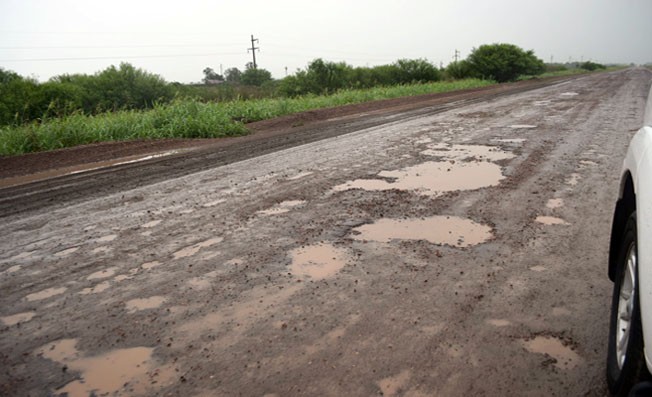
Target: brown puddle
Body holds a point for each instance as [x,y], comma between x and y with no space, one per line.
[102,274]
[130,371]
[151,223]
[555,203]
[538,268]
[17,318]
[66,252]
[152,302]
[317,261]
[46,293]
[467,152]
[150,265]
[281,208]
[393,385]
[96,289]
[442,230]
[572,179]
[433,178]
[106,239]
[496,322]
[12,269]
[551,220]
[565,356]
[193,249]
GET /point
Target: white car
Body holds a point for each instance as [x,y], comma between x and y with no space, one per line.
[629,358]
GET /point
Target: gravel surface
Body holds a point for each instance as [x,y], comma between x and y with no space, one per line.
[456,248]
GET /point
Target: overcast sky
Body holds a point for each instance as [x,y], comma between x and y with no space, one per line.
[178,39]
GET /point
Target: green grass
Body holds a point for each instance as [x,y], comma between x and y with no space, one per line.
[188,118]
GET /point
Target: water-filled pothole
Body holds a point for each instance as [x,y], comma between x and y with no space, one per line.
[131,371]
[433,178]
[441,230]
[565,357]
[281,208]
[138,304]
[317,261]
[17,318]
[193,249]
[46,293]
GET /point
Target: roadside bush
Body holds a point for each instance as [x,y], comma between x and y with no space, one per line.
[591,66]
[503,62]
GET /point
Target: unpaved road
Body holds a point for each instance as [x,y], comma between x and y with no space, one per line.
[447,252]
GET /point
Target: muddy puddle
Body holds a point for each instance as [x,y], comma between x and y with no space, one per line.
[432,178]
[108,238]
[281,208]
[509,140]
[300,175]
[150,265]
[573,179]
[213,203]
[102,274]
[130,371]
[17,318]
[522,126]
[193,249]
[555,203]
[151,223]
[66,252]
[138,304]
[497,322]
[551,220]
[565,357]
[317,261]
[96,289]
[440,230]
[394,385]
[467,152]
[46,293]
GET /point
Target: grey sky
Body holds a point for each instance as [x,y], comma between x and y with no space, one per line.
[196,34]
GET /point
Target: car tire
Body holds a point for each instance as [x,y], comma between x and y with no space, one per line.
[625,358]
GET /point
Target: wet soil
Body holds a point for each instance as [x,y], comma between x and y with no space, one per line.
[267,268]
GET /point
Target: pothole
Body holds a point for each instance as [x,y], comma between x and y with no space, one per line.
[317,261]
[46,293]
[522,126]
[66,252]
[193,249]
[441,230]
[497,322]
[151,223]
[572,179]
[433,178]
[138,304]
[555,203]
[17,318]
[130,371]
[281,208]
[551,220]
[96,289]
[102,274]
[565,357]
[150,265]
[467,152]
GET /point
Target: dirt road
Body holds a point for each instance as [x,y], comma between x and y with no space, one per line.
[449,251]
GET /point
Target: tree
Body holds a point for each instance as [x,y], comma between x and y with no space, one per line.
[415,71]
[233,75]
[211,76]
[503,62]
[255,77]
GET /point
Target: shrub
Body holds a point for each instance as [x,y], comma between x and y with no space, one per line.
[503,62]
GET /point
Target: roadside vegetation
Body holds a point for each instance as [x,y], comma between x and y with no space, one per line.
[124,102]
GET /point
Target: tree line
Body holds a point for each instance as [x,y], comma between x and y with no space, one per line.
[127,87]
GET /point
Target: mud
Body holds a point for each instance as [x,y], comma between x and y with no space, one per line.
[243,270]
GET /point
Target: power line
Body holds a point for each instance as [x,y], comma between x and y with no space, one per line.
[117,56]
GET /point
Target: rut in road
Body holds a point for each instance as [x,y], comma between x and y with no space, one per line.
[299,273]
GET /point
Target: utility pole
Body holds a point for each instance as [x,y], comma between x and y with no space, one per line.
[253,49]
[457,55]
[286,71]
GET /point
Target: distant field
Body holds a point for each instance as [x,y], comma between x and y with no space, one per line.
[189,118]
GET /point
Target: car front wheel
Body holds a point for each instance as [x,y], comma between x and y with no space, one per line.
[625,359]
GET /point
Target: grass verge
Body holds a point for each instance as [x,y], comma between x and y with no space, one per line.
[189,118]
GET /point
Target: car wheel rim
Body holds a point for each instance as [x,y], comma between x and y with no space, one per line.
[626,306]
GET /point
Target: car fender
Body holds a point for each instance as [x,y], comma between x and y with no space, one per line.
[639,164]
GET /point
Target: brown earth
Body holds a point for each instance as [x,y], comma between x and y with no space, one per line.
[454,247]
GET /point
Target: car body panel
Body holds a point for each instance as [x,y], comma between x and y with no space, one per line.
[639,164]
